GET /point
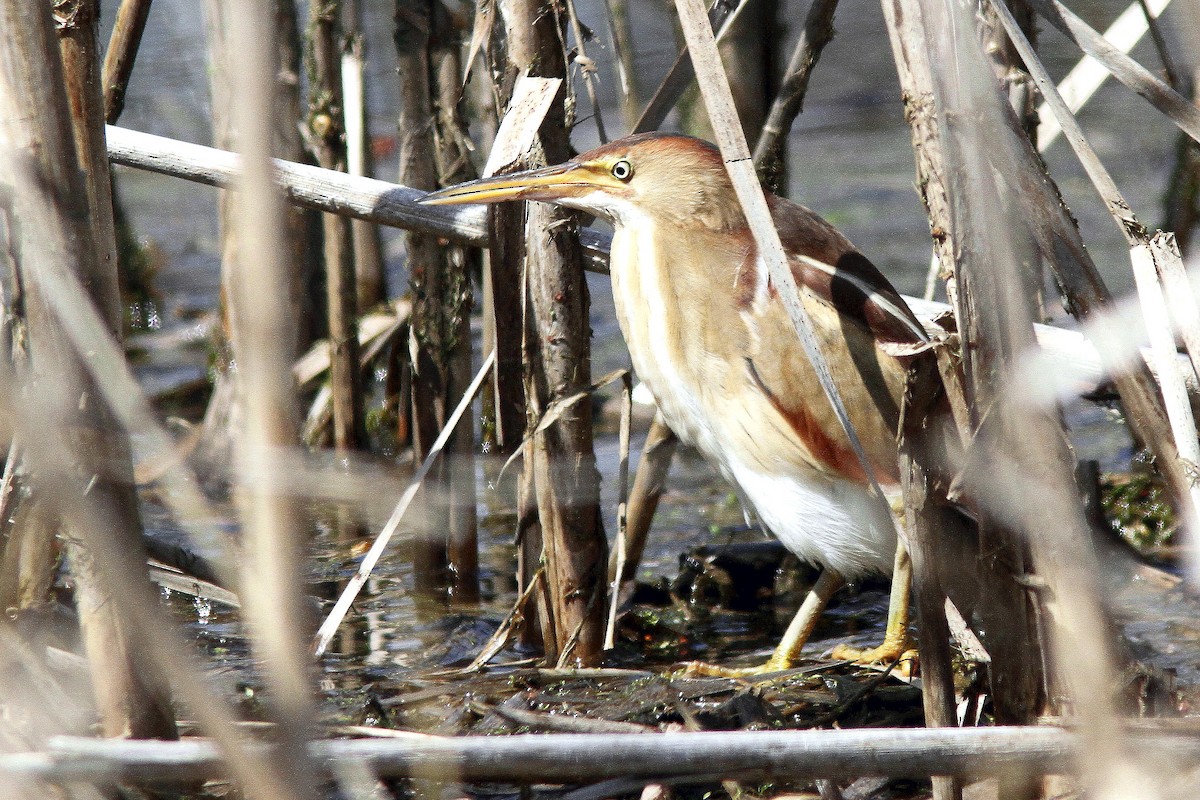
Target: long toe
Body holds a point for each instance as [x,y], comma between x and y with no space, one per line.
[898,651]
[701,669]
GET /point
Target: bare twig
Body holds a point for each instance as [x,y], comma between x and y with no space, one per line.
[122,52]
[679,77]
[1170,70]
[588,67]
[816,33]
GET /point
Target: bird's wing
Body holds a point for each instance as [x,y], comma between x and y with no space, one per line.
[863,326]
[828,265]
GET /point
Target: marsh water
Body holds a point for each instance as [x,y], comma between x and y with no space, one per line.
[850,159]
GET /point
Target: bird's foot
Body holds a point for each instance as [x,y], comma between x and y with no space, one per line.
[701,669]
[897,650]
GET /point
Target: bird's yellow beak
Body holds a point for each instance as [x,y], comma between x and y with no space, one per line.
[548,184]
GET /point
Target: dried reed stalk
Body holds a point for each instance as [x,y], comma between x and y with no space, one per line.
[327,129]
[368,248]
[557,364]
[584,758]
[271,589]
[432,155]
[79,460]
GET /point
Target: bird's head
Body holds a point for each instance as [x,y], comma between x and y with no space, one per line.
[662,176]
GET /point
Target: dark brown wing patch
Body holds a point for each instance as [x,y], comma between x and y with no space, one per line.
[842,276]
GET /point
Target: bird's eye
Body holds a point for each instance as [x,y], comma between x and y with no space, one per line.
[622,170]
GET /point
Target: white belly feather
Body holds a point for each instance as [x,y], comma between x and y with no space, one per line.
[827,521]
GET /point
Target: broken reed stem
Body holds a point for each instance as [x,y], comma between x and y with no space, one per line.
[1182,300]
[354,585]
[1147,259]
[323,190]
[1062,245]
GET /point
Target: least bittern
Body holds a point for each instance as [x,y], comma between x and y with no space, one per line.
[709,337]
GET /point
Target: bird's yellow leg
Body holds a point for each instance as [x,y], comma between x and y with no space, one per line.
[897,645]
[794,638]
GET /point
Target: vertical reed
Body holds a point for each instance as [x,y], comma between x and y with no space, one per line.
[368,249]
[88,483]
[327,129]
[557,365]
[275,532]
[432,155]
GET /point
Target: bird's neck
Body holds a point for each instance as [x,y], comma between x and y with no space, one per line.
[667,289]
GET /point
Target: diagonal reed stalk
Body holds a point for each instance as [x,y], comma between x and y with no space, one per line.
[354,586]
